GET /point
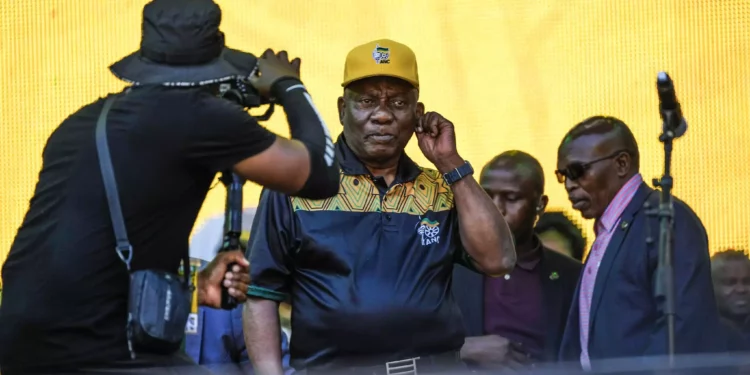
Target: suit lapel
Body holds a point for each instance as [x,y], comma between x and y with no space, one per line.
[552,292]
[615,243]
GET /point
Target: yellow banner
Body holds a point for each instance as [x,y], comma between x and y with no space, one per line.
[511,74]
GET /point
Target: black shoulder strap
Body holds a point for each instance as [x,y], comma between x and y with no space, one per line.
[123,248]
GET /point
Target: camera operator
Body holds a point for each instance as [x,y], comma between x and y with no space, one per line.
[65,303]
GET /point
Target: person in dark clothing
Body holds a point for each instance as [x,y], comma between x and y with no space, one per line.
[65,297]
[730,271]
[736,342]
[518,319]
[368,271]
[615,313]
[559,233]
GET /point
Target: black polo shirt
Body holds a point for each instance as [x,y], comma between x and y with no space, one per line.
[368,272]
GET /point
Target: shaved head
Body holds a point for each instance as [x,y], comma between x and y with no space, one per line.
[612,133]
[514,180]
[596,158]
[523,162]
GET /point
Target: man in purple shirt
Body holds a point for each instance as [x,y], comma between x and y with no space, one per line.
[517,319]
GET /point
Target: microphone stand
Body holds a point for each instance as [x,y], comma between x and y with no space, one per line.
[665,212]
[232,226]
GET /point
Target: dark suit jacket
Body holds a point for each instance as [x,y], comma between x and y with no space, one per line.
[736,342]
[626,319]
[468,290]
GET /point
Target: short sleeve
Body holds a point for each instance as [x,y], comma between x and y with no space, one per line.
[268,249]
[223,134]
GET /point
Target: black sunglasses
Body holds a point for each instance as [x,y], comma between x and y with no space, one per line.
[576,170]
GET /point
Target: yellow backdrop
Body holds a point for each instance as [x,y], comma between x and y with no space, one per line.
[511,74]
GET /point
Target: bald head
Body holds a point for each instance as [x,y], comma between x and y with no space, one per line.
[514,180]
[596,158]
[611,133]
[524,163]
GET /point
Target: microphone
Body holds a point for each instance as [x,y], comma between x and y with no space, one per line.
[669,107]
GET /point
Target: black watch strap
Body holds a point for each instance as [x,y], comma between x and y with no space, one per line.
[457,174]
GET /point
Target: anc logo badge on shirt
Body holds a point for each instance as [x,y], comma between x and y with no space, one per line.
[429,231]
[381,55]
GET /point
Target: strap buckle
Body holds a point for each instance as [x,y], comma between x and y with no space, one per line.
[402,367]
[126,258]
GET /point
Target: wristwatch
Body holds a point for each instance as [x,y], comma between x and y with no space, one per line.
[458,173]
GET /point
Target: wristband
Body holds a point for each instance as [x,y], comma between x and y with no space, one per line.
[457,174]
[280,86]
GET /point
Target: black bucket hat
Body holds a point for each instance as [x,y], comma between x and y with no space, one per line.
[181,45]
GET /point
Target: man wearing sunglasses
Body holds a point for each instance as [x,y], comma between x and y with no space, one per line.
[614,312]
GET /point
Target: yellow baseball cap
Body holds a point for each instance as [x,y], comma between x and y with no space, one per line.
[382,57]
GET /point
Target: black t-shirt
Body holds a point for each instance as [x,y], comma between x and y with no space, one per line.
[65,289]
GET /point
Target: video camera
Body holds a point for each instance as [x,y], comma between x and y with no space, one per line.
[240,91]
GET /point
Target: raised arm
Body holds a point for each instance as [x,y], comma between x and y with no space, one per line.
[228,139]
[306,165]
[484,233]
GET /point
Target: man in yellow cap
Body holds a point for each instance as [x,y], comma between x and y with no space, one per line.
[368,272]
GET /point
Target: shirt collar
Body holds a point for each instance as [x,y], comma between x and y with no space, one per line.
[350,164]
[530,260]
[614,210]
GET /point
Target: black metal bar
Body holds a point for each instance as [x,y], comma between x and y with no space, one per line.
[232,226]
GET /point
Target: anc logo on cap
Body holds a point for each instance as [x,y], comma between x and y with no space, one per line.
[381,55]
[359,62]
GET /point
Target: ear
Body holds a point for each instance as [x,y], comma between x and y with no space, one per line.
[543,201]
[420,109]
[341,106]
[623,164]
